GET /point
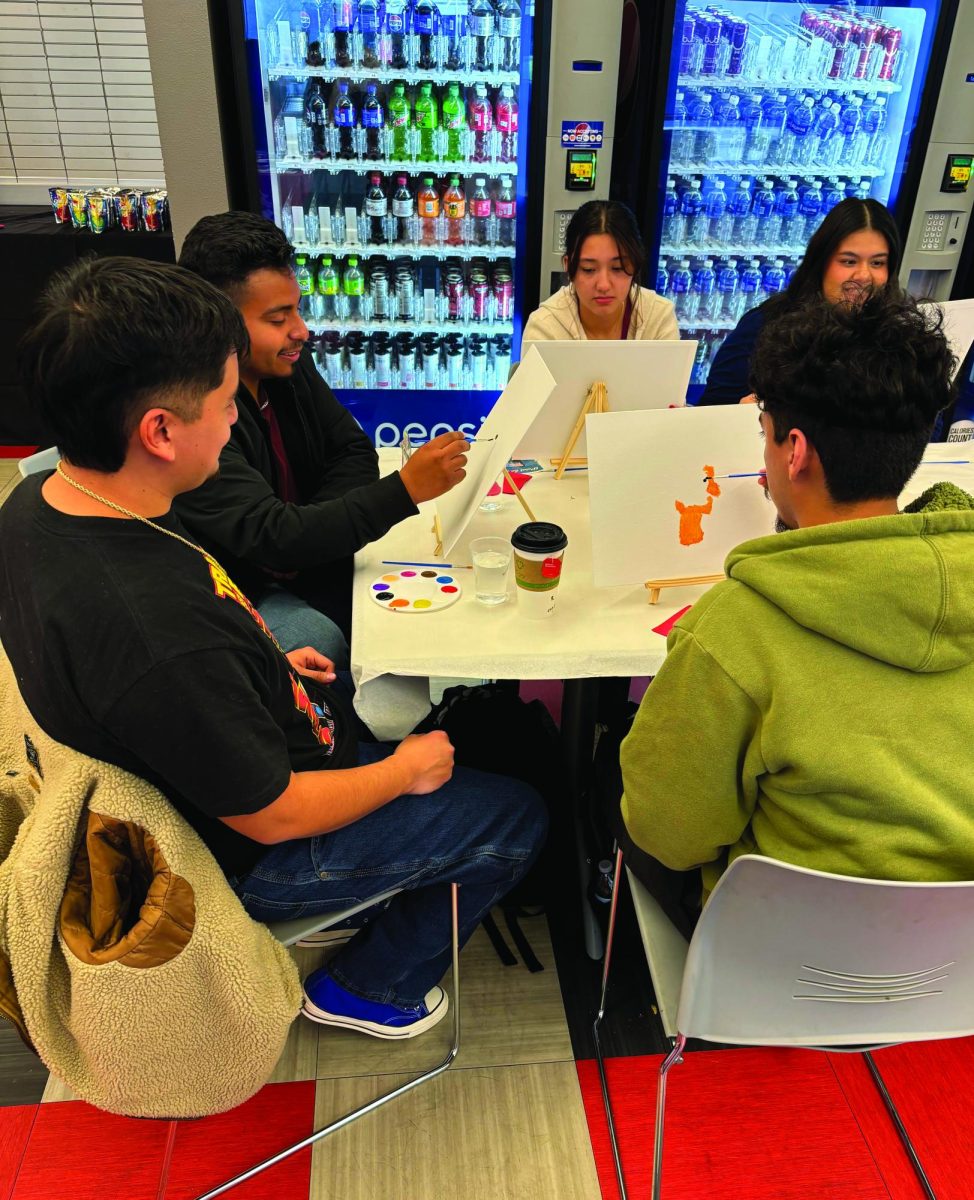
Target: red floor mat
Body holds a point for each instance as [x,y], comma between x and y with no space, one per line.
[80,1152]
[762,1124]
[15,1127]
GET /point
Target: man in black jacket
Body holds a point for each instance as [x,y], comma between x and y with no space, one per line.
[298,491]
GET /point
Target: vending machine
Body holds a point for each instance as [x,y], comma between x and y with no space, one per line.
[774,112]
[389,142]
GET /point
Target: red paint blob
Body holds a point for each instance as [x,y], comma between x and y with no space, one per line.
[449,588]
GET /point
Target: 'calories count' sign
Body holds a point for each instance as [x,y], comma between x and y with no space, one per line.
[581,133]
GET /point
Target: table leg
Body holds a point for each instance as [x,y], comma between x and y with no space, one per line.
[578,715]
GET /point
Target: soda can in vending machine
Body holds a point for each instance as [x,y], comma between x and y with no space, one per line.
[866,41]
[99,211]
[405,292]
[127,210]
[78,199]
[708,34]
[891,39]
[503,294]
[454,361]
[478,362]
[455,293]
[60,204]
[841,39]
[430,348]
[406,360]
[686,45]
[155,211]
[382,360]
[737,37]
[479,293]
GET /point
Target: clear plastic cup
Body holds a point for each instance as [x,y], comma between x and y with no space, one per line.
[491,558]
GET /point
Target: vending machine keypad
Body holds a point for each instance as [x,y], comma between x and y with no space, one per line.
[933,235]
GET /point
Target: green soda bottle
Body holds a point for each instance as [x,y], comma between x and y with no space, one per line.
[306,286]
[454,122]
[328,289]
[400,122]
[353,285]
[427,122]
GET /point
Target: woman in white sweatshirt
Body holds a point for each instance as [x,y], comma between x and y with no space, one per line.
[604,260]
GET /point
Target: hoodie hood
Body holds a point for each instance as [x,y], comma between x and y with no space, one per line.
[897,588]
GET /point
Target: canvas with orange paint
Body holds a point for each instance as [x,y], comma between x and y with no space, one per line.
[661,501]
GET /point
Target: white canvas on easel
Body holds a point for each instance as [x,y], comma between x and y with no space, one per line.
[654,517]
[942,462]
[637,375]
[958,327]
[525,395]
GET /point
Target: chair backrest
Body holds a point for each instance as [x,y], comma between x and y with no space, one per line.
[784,955]
[43,460]
[666,952]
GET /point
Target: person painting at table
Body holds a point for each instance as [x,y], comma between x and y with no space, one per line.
[298,491]
[855,250]
[134,646]
[603,301]
[814,707]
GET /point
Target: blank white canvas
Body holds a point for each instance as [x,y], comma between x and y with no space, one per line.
[641,463]
[516,407]
[637,375]
[959,327]
[942,461]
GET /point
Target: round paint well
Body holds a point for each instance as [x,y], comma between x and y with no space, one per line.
[378,587]
[407,574]
[390,578]
[422,603]
[448,589]
[444,579]
[385,595]
[429,574]
[399,604]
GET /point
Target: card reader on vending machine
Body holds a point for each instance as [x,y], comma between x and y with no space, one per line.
[957,173]
[580,169]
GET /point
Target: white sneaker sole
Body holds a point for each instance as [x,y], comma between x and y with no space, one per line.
[437,1002]
[327,937]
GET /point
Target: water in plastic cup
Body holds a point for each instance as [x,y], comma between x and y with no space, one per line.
[491,566]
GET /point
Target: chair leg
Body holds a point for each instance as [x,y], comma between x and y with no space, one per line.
[674,1056]
[900,1127]
[607,959]
[166,1161]
[380,1100]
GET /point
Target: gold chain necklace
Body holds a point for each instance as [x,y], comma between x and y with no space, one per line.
[125,511]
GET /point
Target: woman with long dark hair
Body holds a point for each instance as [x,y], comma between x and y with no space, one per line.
[855,250]
[604,259]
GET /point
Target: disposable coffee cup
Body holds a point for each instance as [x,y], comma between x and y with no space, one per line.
[538,551]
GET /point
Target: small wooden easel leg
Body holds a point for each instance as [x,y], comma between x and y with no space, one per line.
[520,495]
[438,535]
[597,401]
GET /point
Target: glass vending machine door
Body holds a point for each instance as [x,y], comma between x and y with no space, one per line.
[776,111]
[395,167]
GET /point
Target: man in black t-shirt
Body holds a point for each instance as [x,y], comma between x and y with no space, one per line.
[133,645]
[298,491]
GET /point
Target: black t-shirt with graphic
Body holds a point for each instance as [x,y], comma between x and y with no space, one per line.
[136,649]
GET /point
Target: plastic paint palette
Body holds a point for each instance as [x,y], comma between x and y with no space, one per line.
[416,591]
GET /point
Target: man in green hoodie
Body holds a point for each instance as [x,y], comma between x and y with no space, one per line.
[815,706]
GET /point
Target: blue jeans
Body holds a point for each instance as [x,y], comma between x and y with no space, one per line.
[296,624]
[481,831]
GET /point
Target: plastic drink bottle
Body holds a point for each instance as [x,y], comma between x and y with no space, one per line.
[280,136]
[509,35]
[700,114]
[797,147]
[767,224]
[705,290]
[730,131]
[695,222]
[662,278]
[873,125]
[454,122]
[353,285]
[306,286]
[681,283]
[368,28]
[831,196]
[506,209]
[343,116]
[403,209]
[453,41]
[312,226]
[481,122]
[774,114]
[755,136]
[399,124]
[750,286]
[428,203]
[673,226]
[317,32]
[719,224]
[786,207]
[341,30]
[480,31]
[850,122]
[825,145]
[327,290]
[727,291]
[300,22]
[396,27]
[857,189]
[454,208]
[373,119]
[425,23]
[376,209]
[682,139]
[739,209]
[773,280]
[810,207]
[480,210]
[506,121]
[427,122]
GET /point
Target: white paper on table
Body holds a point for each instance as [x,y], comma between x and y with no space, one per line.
[958,327]
[637,375]
[520,402]
[642,463]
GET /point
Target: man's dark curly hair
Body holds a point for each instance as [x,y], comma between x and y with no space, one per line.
[864,383]
[227,247]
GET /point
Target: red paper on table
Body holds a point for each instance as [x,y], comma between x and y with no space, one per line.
[668,624]
[519,478]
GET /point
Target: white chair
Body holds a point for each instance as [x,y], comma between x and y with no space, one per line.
[43,460]
[290,932]
[786,956]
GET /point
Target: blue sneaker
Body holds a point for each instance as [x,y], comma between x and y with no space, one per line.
[328,1003]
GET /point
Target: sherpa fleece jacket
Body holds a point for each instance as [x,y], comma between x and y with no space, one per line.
[815,706]
[126,961]
[653,319]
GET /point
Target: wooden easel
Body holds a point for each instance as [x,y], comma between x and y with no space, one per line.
[438,530]
[597,401]
[655,586]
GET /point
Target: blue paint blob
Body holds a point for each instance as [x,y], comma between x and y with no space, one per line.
[444,579]
[378,587]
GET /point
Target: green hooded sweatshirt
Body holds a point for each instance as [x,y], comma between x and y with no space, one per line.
[818,705]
